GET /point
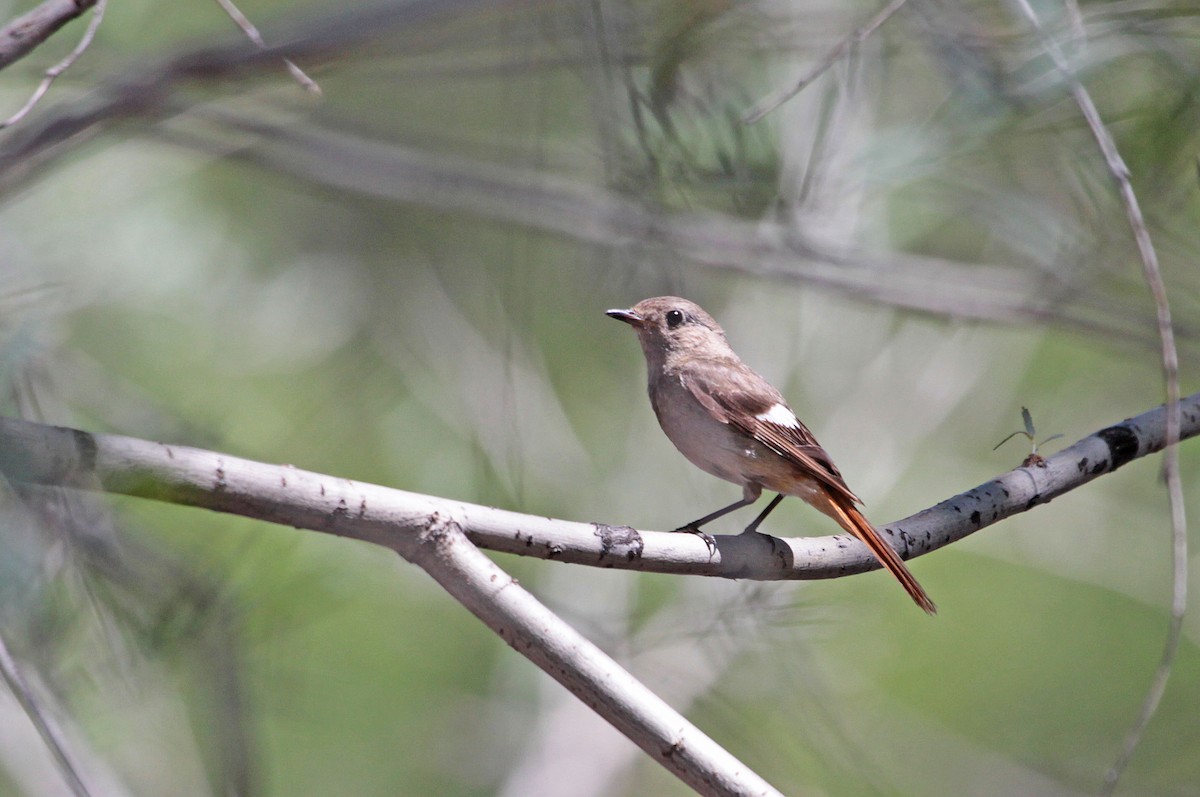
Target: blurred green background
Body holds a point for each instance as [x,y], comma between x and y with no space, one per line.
[403,282]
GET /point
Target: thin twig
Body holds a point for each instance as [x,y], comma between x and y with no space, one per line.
[53,72]
[1152,275]
[22,36]
[773,101]
[47,727]
[253,35]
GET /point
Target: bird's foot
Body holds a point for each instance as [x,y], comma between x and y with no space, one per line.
[709,539]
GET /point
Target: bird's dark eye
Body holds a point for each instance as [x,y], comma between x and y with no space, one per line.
[674,318]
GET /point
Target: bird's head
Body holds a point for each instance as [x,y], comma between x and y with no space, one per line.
[669,325]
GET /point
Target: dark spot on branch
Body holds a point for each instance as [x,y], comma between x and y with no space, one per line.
[362,507]
[341,509]
[1005,491]
[1034,501]
[1122,444]
[620,539]
[85,449]
[221,485]
[976,518]
[1100,467]
[555,550]
[1082,464]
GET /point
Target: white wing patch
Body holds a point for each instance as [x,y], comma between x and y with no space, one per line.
[780,416]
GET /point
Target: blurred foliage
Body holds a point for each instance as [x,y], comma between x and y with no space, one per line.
[403,282]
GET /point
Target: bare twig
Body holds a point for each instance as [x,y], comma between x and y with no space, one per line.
[253,35]
[22,36]
[1152,275]
[839,50]
[47,727]
[62,66]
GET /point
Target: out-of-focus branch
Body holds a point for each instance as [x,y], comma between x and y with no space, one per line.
[1152,275]
[282,494]
[21,36]
[55,71]
[253,35]
[835,54]
[595,215]
[154,92]
[47,727]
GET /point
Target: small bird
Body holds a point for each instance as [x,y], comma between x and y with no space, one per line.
[730,422]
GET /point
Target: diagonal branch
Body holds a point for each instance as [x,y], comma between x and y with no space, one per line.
[835,54]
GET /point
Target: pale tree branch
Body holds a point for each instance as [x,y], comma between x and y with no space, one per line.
[445,553]
[282,494]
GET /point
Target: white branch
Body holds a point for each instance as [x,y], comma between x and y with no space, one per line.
[31,452]
[534,631]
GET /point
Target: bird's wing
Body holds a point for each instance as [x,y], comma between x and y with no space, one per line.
[734,394]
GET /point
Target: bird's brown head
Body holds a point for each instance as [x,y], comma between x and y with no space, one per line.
[668,325]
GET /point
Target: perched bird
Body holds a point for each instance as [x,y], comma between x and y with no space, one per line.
[730,422]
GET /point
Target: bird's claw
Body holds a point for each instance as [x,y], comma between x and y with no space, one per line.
[709,540]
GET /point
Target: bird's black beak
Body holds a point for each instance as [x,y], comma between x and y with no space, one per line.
[628,316]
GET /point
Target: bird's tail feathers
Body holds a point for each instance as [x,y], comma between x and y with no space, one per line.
[849,518]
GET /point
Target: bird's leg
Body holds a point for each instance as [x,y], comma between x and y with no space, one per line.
[754,524]
[694,526]
[750,494]
[778,547]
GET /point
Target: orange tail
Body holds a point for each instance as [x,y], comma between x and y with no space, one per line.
[849,518]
